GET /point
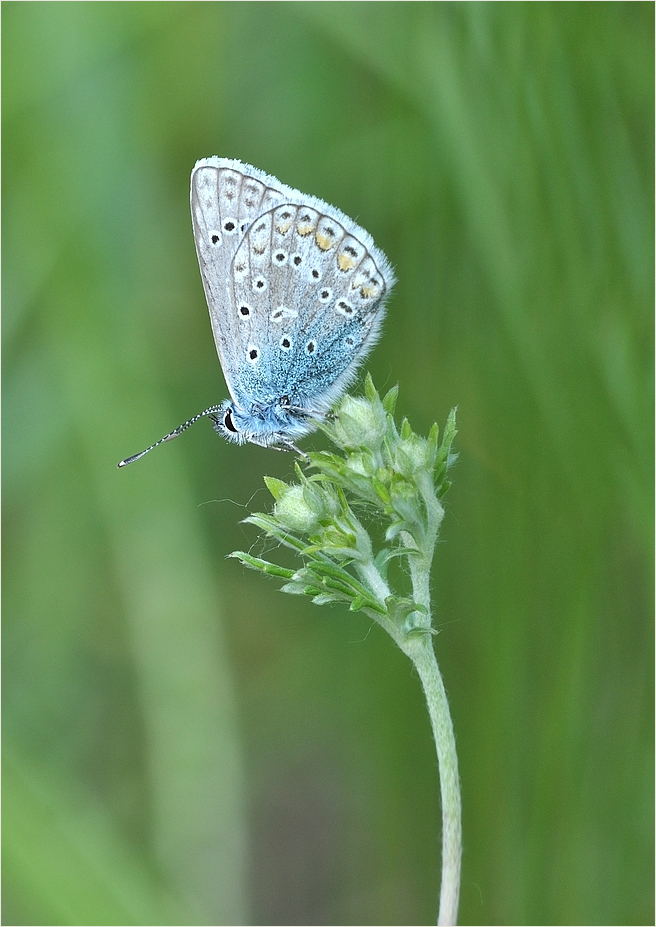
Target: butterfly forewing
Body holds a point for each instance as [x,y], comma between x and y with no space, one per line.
[224,202]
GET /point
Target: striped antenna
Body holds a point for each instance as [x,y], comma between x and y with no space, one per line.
[174,434]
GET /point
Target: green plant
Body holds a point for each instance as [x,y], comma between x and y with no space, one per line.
[396,478]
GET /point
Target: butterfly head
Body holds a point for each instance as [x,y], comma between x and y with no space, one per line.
[274,423]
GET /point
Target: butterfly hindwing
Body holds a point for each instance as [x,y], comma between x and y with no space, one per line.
[308,297]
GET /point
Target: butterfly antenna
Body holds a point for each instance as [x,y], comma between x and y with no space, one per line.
[174,434]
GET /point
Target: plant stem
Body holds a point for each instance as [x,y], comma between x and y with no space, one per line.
[404,476]
[420,650]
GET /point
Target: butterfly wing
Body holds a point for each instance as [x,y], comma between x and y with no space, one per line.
[226,196]
[308,294]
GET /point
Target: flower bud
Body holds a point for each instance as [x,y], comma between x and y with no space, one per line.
[360,423]
[292,509]
[412,455]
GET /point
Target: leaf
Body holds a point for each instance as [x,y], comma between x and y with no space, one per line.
[275,487]
[370,390]
[255,563]
[389,400]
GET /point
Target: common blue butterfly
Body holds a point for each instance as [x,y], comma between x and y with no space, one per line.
[296,292]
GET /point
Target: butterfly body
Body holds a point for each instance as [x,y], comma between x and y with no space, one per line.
[296,294]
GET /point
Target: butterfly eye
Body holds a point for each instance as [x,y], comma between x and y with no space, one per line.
[228,422]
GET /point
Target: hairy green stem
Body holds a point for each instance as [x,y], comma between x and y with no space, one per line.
[420,650]
[403,476]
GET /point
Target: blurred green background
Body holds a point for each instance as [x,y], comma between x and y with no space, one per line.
[182,743]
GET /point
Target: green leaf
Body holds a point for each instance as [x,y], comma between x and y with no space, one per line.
[381,490]
[299,589]
[443,489]
[389,400]
[255,563]
[275,487]
[327,599]
[275,530]
[432,444]
[370,390]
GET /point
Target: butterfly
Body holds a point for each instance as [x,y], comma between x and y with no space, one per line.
[296,293]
